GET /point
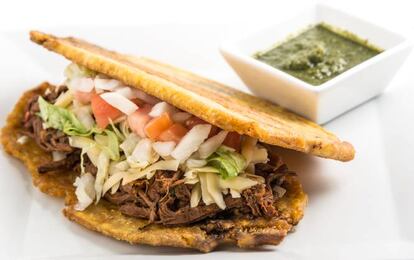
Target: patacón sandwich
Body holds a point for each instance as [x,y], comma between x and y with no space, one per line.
[151,154]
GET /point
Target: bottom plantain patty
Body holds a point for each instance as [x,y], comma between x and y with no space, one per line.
[109,220]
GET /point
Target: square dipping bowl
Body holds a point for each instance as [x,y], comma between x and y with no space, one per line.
[326,101]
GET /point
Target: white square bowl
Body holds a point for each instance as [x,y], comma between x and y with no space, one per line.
[334,97]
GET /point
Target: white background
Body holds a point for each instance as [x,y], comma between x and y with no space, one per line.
[44,14]
[362,209]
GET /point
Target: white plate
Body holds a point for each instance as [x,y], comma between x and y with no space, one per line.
[359,209]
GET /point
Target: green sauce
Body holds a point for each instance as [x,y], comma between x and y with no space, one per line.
[319,54]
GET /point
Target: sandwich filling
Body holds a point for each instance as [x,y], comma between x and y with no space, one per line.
[147,157]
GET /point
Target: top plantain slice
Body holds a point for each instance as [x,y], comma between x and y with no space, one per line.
[213,102]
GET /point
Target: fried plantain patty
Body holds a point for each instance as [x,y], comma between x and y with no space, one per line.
[107,219]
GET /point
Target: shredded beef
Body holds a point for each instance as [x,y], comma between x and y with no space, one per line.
[123,196]
[170,214]
[133,210]
[49,139]
[165,198]
[87,165]
[68,163]
[260,200]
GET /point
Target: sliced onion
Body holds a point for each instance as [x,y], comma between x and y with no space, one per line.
[85,191]
[160,108]
[212,144]
[120,102]
[191,142]
[81,84]
[143,152]
[127,92]
[181,117]
[163,148]
[106,84]
[145,97]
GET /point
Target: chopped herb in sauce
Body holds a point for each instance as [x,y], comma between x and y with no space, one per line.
[318,54]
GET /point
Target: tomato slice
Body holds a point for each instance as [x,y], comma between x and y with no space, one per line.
[139,119]
[174,133]
[156,126]
[233,140]
[84,97]
[103,112]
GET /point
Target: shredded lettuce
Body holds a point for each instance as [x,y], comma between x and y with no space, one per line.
[108,142]
[88,145]
[102,174]
[63,119]
[227,162]
[123,126]
[113,145]
[121,137]
[74,70]
[129,144]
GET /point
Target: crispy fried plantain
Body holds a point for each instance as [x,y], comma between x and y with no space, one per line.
[106,219]
[211,101]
